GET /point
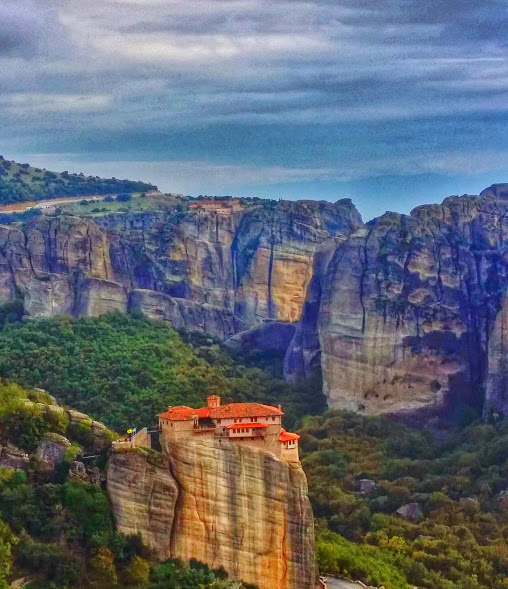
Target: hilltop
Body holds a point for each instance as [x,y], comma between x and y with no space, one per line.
[22,182]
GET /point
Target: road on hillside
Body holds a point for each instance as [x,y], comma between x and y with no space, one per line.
[21,207]
[45,204]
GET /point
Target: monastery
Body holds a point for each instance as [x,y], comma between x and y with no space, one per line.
[242,423]
[221,207]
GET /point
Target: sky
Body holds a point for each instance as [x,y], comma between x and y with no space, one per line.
[392,103]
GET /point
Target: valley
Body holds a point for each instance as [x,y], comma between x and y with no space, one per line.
[383,342]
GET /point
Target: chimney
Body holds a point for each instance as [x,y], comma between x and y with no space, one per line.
[213,402]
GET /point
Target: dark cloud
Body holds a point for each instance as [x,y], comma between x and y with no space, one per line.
[29,29]
[357,85]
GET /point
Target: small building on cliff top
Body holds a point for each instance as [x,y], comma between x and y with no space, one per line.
[244,423]
[221,207]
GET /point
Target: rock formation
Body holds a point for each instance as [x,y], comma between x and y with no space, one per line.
[52,449]
[230,506]
[197,269]
[402,315]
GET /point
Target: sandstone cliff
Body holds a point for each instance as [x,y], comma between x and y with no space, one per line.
[197,269]
[402,314]
[230,506]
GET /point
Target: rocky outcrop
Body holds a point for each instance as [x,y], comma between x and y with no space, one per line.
[198,269]
[226,505]
[403,313]
[52,449]
[411,512]
[303,354]
[182,313]
[497,374]
[13,458]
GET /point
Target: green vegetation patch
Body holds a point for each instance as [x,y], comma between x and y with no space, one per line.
[124,370]
[362,470]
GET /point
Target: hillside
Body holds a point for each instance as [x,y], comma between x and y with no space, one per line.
[125,369]
[403,508]
[22,182]
[360,470]
[56,524]
[400,316]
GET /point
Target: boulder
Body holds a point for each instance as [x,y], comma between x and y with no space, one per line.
[77,471]
[52,449]
[366,486]
[411,512]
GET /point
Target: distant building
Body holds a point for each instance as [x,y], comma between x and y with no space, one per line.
[244,423]
[221,207]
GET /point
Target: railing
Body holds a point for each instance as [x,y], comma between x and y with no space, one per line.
[138,440]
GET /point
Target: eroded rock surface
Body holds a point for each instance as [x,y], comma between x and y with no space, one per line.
[52,449]
[143,497]
[236,507]
[197,269]
[403,313]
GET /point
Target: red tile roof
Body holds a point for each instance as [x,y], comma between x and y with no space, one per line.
[181,413]
[203,412]
[248,425]
[287,436]
[231,410]
[244,410]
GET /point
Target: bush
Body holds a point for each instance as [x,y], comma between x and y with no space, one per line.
[124,197]
[90,507]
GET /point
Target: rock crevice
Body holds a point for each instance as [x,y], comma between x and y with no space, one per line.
[226,505]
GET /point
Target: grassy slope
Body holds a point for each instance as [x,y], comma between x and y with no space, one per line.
[21,182]
[136,204]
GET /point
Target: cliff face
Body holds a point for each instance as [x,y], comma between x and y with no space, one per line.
[199,269]
[403,315]
[230,506]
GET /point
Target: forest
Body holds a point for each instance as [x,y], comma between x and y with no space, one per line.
[361,471]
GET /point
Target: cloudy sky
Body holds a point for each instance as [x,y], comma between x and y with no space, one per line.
[392,102]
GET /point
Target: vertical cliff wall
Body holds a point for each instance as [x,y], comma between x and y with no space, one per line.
[197,269]
[404,312]
[223,504]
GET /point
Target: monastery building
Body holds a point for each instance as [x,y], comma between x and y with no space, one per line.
[243,423]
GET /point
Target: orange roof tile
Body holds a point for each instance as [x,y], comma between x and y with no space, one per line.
[231,410]
[203,412]
[288,437]
[181,413]
[244,410]
[247,425]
